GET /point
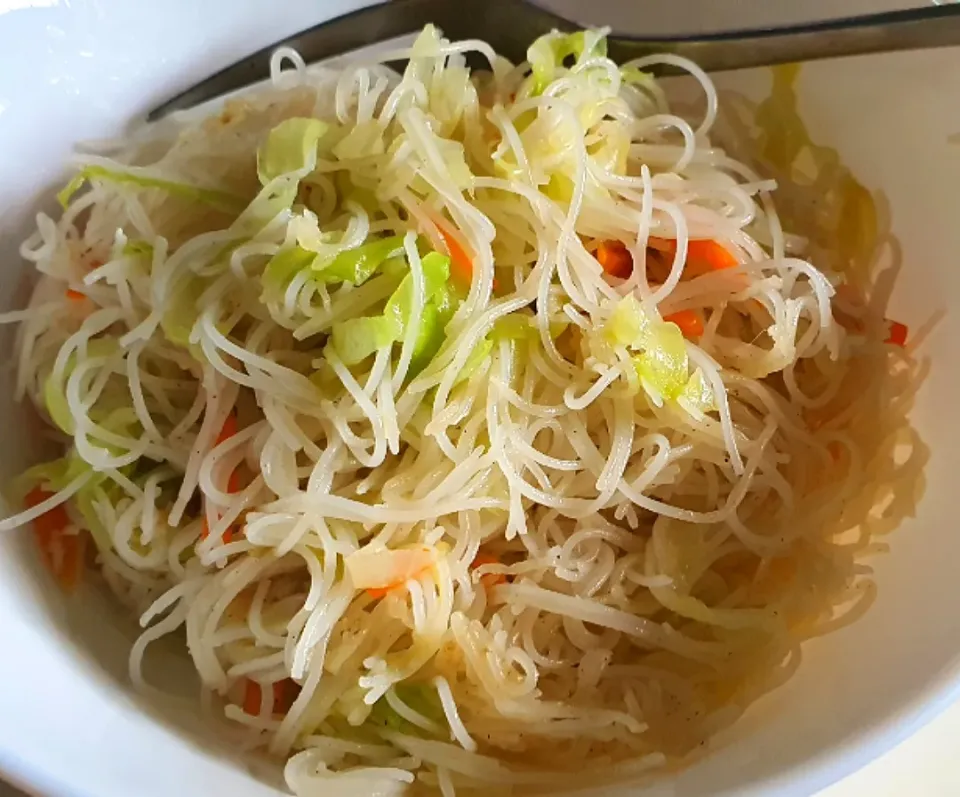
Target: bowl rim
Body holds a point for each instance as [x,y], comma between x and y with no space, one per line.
[800,779]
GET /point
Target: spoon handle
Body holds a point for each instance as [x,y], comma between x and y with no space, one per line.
[510,26]
[911,29]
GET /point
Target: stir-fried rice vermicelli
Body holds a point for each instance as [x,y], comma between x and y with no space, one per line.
[478,429]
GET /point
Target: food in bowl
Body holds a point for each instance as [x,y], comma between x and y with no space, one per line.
[476,428]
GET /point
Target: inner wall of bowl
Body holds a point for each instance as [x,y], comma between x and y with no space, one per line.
[857,692]
[864,688]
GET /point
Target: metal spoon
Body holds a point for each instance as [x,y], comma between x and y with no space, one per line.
[510,25]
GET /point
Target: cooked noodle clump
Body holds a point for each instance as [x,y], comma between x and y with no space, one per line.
[477,428]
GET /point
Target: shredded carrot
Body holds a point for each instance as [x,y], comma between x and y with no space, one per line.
[898,333]
[461,261]
[381,592]
[75,295]
[228,430]
[251,698]
[689,321]
[228,535]
[62,553]
[489,580]
[718,257]
[284,693]
[50,522]
[615,259]
[702,256]
[381,571]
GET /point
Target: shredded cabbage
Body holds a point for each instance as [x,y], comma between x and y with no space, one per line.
[697,396]
[138,248]
[364,140]
[628,324]
[357,338]
[220,200]
[274,198]
[281,269]
[548,54]
[290,148]
[420,698]
[662,365]
[54,397]
[356,266]
[182,311]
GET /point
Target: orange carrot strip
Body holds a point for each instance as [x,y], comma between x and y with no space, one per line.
[461,261]
[233,482]
[689,321]
[251,698]
[381,592]
[615,259]
[702,256]
[284,693]
[62,553]
[898,333]
[52,521]
[710,252]
[227,535]
[75,295]
[489,580]
[229,428]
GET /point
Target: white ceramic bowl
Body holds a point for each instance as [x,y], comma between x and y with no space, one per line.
[69,724]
